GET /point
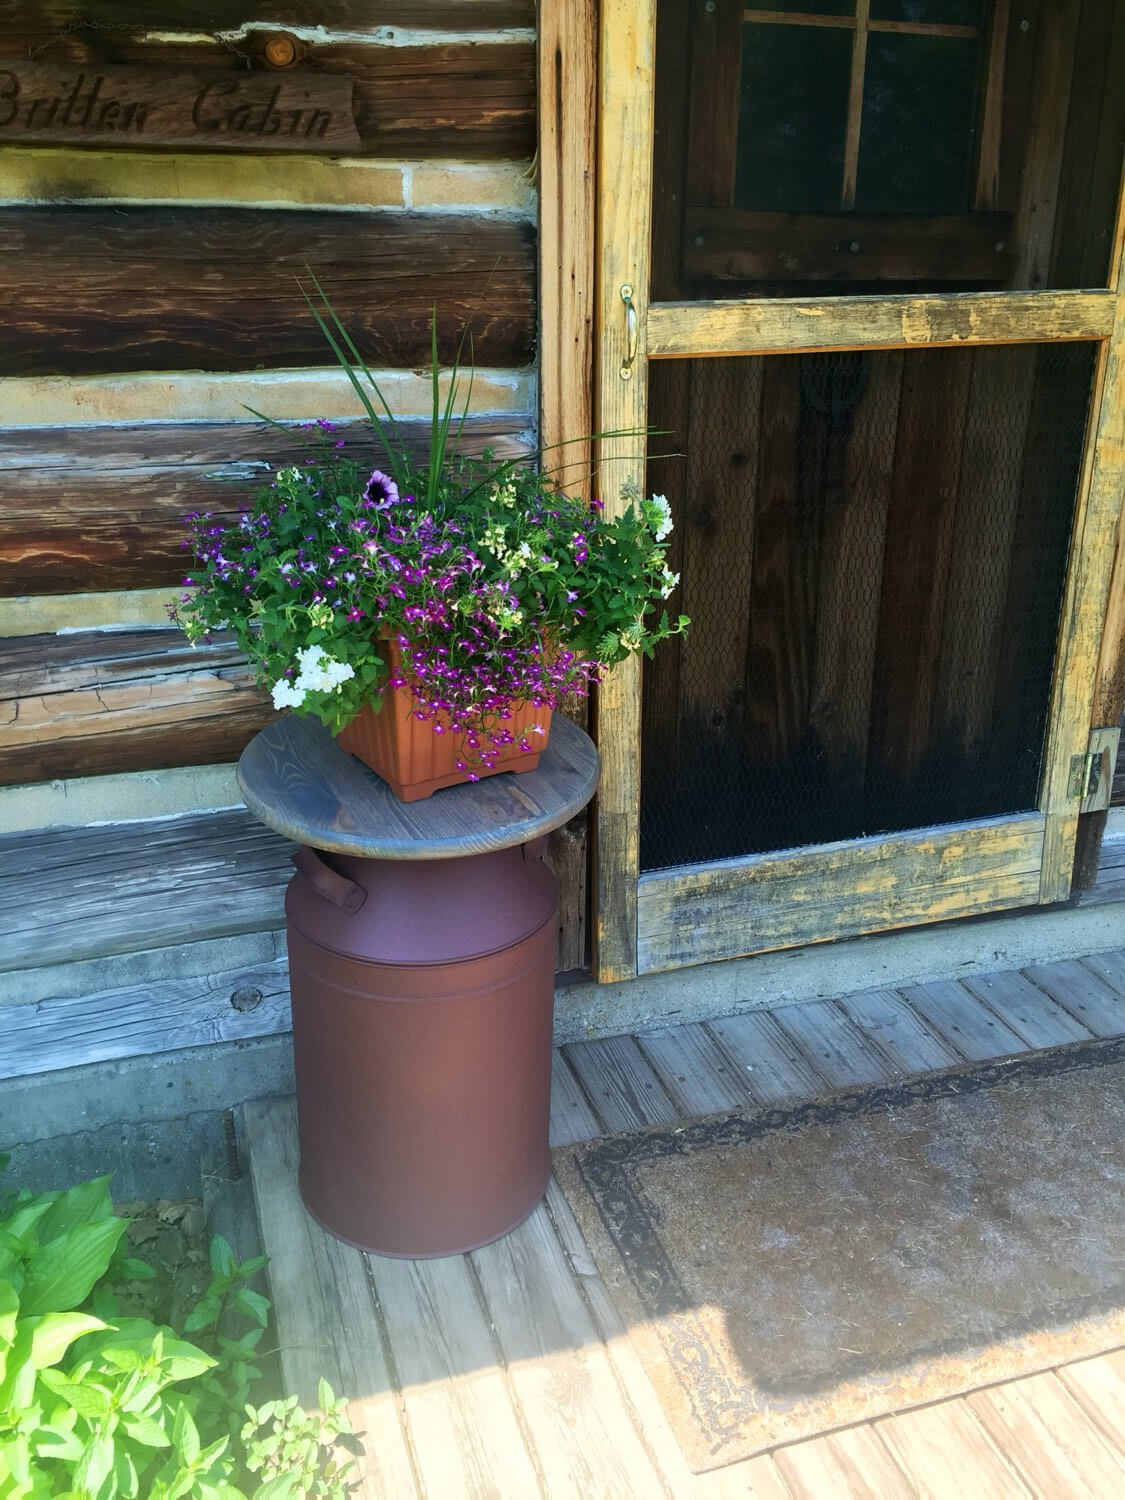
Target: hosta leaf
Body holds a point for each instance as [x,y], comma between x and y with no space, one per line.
[61,1275]
[84,1204]
[53,1334]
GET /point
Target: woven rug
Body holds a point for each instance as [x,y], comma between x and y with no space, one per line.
[788,1271]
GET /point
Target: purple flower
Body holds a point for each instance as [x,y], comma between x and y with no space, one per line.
[381,490]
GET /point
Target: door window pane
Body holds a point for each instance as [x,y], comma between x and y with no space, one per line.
[792,117]
[918,133]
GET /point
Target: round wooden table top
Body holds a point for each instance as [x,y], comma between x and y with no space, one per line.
[297,780]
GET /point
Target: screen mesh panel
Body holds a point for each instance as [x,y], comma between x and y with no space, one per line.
[872,548]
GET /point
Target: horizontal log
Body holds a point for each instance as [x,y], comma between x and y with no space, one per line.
[22,18]
[725,244]
[146,1019]
[460,99]
[103,507]
[106,701]
[73,894]
[96,289]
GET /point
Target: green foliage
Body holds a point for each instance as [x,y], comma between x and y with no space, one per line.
[95,1404]
[502,587]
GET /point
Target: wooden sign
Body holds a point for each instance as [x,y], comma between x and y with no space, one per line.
[86,104]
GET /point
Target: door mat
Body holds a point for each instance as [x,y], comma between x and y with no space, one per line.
[788,1271]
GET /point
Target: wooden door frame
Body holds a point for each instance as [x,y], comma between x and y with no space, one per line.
[700,913]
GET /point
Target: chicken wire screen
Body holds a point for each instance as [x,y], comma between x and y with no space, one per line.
[872,549]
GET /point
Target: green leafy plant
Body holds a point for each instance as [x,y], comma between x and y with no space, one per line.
[95,1404]
[497,586]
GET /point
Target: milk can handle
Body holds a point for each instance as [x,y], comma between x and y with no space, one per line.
[328,882]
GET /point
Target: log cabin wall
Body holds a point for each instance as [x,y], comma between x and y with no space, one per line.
[150,296]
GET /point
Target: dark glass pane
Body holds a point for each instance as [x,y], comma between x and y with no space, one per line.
[918,131]
[807,7]
[930,12]
[793,117]
[872,549]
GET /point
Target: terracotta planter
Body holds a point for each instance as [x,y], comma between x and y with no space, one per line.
[413,760]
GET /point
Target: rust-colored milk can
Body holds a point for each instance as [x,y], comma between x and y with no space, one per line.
[422,1013]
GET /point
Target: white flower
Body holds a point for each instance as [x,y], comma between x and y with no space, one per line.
[525,551]
[320,673]
[287,694]
[665,526]
[668,582]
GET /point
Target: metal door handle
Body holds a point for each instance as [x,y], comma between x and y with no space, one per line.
[630,332]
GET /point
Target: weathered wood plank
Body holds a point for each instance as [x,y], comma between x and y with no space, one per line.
[916,559]
[625,133]
[958,1016]
[775,564]
[698,913]
[122,700]
[622,1088]
[321,1296]
[988,493]
[1041,1021]
[97,289]
[566,109]
[777,325]
[945,1451]
[1093,1002]
[1044,141]
[126,887]
[103,507]
[697,1075]
[572,1119]
[143,1020]
[1108,966]
[1044,1430]
[1098,1385]
[718,541]
[854,1462]
[465,1433]
[903,1037]
[826,1036]
[776,1071]
[579,1425]
[724,244]
[1097,522]
[851,565]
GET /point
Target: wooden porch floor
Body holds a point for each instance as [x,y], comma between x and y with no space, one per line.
[507,1372]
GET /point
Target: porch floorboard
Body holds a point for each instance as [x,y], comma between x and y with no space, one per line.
[507,1372]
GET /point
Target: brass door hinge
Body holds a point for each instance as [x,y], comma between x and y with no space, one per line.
[1091,775]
